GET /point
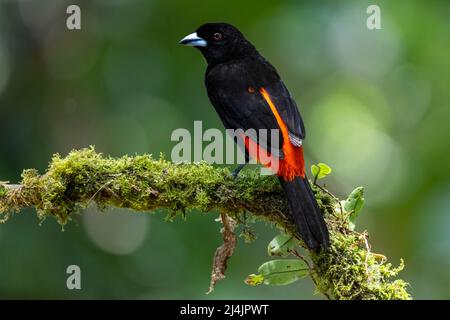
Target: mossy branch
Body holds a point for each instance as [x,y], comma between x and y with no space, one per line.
[348,270]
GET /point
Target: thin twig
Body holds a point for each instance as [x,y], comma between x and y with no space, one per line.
[311,271]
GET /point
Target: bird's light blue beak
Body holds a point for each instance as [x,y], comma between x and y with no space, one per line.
[193,40]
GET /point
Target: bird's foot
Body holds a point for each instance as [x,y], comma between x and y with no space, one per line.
[236,171]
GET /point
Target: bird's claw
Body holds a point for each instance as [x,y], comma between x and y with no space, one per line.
[236,171]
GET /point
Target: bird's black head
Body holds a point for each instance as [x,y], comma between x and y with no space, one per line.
[219,42]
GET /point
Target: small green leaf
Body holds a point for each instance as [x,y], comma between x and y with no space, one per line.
[353,205]
[283,272]
[281,245]
[320,170]
[254,279]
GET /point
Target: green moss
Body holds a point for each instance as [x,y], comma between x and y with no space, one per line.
[139,183]
[347,271]
[3,210]
[84,177]
[3,190]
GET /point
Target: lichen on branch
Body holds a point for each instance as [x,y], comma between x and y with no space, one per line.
[348,270]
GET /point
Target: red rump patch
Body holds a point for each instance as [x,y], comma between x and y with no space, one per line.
[293,163]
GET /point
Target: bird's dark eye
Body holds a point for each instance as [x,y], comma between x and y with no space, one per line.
[217,36]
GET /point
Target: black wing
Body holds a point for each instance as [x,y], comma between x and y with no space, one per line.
[234,92]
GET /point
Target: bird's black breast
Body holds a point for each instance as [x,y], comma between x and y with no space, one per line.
[233,90]
[238,75]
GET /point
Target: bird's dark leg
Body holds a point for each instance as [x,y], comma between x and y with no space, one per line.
[237,170]
[241,166]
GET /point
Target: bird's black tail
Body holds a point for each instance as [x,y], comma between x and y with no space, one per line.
[306,213]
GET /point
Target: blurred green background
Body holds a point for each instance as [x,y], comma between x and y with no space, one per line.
[375,103]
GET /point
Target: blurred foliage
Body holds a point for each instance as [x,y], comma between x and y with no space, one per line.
[375,104]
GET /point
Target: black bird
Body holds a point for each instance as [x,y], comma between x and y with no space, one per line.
[247,93]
